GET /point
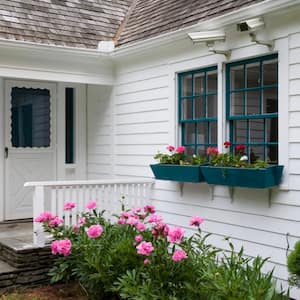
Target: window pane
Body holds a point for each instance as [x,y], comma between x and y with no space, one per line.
[211,105]
[272,154]
[199,111]
[70,126]
[237,77]
[240,131]
[252,73]
[213,133]
[256,152]
[272,130]
[253,103]
[270,101]
[270,72]
[186,88]
[189,133]
[189,151]
[201,150]
[30,117]
[237,104]
[199,83]
[186,109]
[212,82]
[202,133]
[257,132]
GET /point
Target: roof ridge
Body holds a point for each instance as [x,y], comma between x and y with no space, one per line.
[124,22]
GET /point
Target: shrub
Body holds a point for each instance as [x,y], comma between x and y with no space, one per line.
[140,258]
[293,263]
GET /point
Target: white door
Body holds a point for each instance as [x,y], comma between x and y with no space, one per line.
[30,138]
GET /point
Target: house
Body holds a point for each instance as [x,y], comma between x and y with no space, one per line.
[93,89]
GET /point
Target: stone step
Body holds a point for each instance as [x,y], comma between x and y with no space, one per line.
[23,264]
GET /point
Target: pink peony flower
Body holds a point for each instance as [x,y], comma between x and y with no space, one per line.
[76,228]
[179,255]
[171,148]
[138,238]
[154,219]
[140,226]
[121,221]
[91,205]
[55,222]
[149,209]
[125,214]
[212,151]
[160,229]
[94,231]
[175,235]
[180,149]
[145,248]
[132,220]
[196,221]
[136,210]
[44,216]
[61,247]
[146,261]
[82,221]
[69,205]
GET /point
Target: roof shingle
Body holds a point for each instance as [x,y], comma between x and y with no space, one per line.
[83,23]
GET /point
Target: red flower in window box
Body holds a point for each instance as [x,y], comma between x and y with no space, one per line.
[227,144]
[240,148]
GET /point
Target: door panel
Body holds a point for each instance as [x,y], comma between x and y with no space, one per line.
[30,139]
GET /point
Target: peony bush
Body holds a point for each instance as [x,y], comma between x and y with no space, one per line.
[141,257]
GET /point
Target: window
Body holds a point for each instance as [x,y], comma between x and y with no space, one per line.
[198,109]
[70,126]
[252,106]
[30,113]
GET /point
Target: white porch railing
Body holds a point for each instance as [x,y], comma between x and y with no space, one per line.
[51,196]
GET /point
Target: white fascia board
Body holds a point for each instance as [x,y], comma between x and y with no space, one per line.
[84,52]
[231,18]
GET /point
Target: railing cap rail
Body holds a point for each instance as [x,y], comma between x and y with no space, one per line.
[89,182]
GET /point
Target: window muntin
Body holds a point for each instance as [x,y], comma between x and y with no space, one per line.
[198,109]
[252,106]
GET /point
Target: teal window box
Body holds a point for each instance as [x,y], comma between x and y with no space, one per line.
[180,173]
[243,177]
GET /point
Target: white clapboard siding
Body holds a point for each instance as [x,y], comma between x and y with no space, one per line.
[144,115]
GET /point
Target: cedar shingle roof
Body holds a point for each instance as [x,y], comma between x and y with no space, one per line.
[153,17]
[83,23]
[74,23]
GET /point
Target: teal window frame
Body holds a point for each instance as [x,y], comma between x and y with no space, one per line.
[263,116]
[194,120]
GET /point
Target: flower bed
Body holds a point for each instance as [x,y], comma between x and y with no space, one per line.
[141,257]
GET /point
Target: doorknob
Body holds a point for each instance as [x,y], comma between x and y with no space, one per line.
[6,152]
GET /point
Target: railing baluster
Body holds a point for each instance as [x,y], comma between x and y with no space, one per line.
[107,193]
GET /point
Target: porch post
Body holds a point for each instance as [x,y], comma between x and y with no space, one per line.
[38,208]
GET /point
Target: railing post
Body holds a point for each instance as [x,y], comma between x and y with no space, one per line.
[38,208]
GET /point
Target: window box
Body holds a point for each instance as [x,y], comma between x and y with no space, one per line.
[243,177]
[180,173]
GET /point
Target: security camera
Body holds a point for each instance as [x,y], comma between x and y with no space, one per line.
[251,24]
[207,36]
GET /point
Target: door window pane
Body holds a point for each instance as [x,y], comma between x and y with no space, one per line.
[30,125]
